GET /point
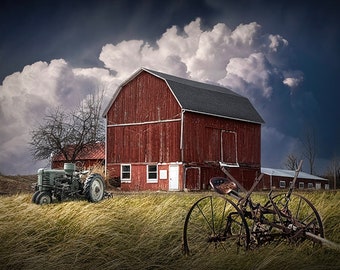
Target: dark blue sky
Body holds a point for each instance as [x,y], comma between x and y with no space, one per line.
[76,31]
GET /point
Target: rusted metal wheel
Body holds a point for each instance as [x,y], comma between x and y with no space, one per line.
[214,224]
[300,218]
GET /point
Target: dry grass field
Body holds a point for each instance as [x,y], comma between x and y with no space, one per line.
[139,231]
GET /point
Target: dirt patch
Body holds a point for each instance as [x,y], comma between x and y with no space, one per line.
[16,184]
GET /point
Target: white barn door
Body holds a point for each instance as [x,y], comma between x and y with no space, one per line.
[173,177]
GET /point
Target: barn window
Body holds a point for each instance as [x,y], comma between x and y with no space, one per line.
[301,185]
[310,185]
[282,184]
[152,174]
[125,171]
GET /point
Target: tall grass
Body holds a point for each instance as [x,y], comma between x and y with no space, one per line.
[138,231]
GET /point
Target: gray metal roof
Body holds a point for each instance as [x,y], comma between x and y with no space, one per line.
[210,99]
[290,173]
[203,98]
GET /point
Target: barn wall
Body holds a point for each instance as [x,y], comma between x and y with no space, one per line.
[158,142]
[139,177]
[202,140]
[276,182]
[209,140]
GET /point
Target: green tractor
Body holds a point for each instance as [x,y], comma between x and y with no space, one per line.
[68,184]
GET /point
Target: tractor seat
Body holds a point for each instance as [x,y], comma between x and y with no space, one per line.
[222,185]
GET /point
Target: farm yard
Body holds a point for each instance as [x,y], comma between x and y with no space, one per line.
[140,231]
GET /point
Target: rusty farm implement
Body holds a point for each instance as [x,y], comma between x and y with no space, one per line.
[220,222]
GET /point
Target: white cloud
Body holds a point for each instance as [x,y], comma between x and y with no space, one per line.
[276,41]
[292,82]
[248,74]
[238,58]
[25,96]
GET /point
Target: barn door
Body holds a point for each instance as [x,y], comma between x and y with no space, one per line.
[192,178]
[173,177]
[229,147]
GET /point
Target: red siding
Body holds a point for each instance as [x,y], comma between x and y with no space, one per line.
[143,99]
[144,143]
[202,140]
[148,102]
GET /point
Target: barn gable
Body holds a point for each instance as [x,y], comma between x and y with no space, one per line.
[203,98]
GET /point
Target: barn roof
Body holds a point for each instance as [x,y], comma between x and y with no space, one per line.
[290,173]
[204,98]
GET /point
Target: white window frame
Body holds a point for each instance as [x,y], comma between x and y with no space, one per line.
[310,185]
[151,180]
[301,185]
[122,172]
[282,182]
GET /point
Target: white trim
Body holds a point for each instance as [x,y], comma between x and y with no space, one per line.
[125,180]
[301,185]
[151,180]
[145,123]
[230,165]
[282,184]
[182,135]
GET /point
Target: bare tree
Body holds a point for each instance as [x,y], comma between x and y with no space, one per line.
[291,162]
[309,145]
[333,172]
[69,132]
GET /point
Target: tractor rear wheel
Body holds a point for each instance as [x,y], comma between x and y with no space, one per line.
[94,188]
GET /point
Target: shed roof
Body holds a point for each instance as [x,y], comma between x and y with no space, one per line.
[95,152]
[204,98]
[290,173]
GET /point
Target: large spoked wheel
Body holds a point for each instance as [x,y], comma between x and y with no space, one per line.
[214,224]
[94,188]
[300,217]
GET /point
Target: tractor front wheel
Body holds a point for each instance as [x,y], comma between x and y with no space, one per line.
[43,198]
[94,188]
[35,195]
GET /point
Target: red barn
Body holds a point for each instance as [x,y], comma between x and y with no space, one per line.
[168,133]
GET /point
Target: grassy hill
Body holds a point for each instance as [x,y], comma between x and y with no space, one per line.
[139,231]
[16,184]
